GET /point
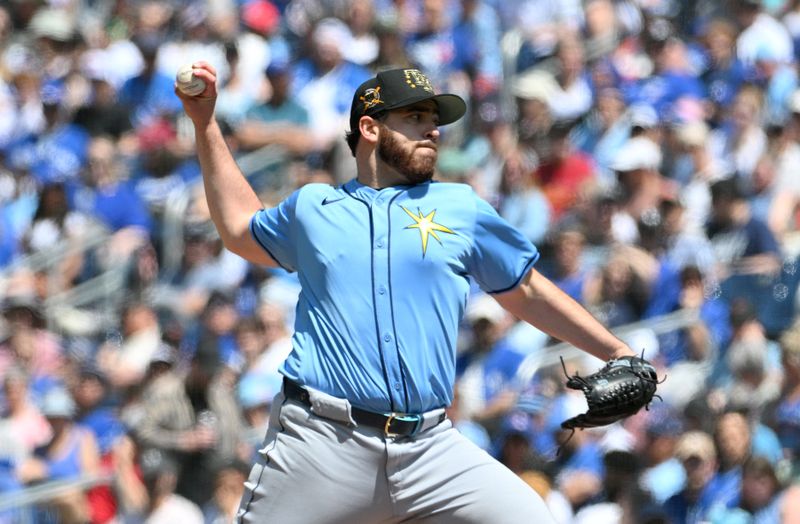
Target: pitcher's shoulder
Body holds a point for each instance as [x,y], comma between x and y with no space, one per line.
[454,189]
[316,194]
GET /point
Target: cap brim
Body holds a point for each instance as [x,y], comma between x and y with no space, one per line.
[451,107]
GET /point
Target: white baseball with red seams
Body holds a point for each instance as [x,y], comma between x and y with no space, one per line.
[188,83]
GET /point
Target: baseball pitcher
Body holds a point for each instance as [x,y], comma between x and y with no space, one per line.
[359,433]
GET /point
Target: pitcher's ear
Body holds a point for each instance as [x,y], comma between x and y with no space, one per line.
[370,129]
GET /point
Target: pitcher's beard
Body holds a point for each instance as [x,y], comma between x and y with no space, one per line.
[416,169]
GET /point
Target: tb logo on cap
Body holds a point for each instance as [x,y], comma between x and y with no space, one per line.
[414,78]
[371,97]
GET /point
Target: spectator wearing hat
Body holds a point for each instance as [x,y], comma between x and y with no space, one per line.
[56,223]
[573,98]
[760,30]
[229,479]
[784,153]
[481,155]
[150,94]
[94,412]
[743,245]
[391,44]
[740,140]
[538,25]
[579,458]
[522,203]
[532,90]
[206,268]
[281,120]
[261,40]
[26,422]
[72,453]
[754,376]
[323,82]
[604,131]
[254,393]
[778,79]
[105,194]
[785,415]
[57,152]
[209,387]
[570,270]
[696,452]
[277,338]
[760,499]
[733,440]
[620,291]
[694,168]
[480,22]
[486,370]
[565,175]
[126,363]
[166,419]
[235,96]
[360,20]
[29,344]
[94,409]
[102,113]
[621,499]
[674,77]
[436,47]
[159,473]
[773,197]
[662,475]
[724,73]
[639,184]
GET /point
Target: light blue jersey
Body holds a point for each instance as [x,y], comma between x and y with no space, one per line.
[384,278]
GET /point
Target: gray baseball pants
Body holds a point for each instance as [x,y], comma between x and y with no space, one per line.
[316,468]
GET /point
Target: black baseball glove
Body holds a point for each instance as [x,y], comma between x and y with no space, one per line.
[618,390]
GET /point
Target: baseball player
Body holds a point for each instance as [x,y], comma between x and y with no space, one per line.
[359,433]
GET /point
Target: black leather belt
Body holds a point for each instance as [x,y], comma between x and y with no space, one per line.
[391,424]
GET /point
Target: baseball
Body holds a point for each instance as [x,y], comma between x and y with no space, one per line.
[188,83]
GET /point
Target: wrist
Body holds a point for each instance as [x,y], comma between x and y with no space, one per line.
[623,351]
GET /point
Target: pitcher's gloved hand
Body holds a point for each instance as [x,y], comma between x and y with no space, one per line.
[618,390]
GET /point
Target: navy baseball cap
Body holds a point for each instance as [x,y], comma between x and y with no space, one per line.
[396,88]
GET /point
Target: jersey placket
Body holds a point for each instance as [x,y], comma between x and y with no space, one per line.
[382,293]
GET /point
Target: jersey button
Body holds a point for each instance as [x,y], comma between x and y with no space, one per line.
[387,337]
[381,290]
[380,243]
[397,386]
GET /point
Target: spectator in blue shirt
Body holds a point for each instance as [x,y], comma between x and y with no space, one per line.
[324,82]
[106,195]
[58,152]
[742,244]
[724,72]
[150,94]
[761,497]
[696,452]
[485,371]
[281,120]
[732,436]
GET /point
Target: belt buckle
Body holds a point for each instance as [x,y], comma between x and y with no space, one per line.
[404,417]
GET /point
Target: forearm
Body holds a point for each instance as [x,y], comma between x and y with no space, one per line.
[231,200]
[540,303]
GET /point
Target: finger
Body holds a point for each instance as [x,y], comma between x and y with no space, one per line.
[202,64]
[206,76]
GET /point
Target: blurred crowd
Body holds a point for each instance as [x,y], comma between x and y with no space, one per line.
[649,148]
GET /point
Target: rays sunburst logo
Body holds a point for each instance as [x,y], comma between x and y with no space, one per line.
[426,226]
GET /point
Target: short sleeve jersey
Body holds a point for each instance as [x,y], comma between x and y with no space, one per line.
[384,280]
